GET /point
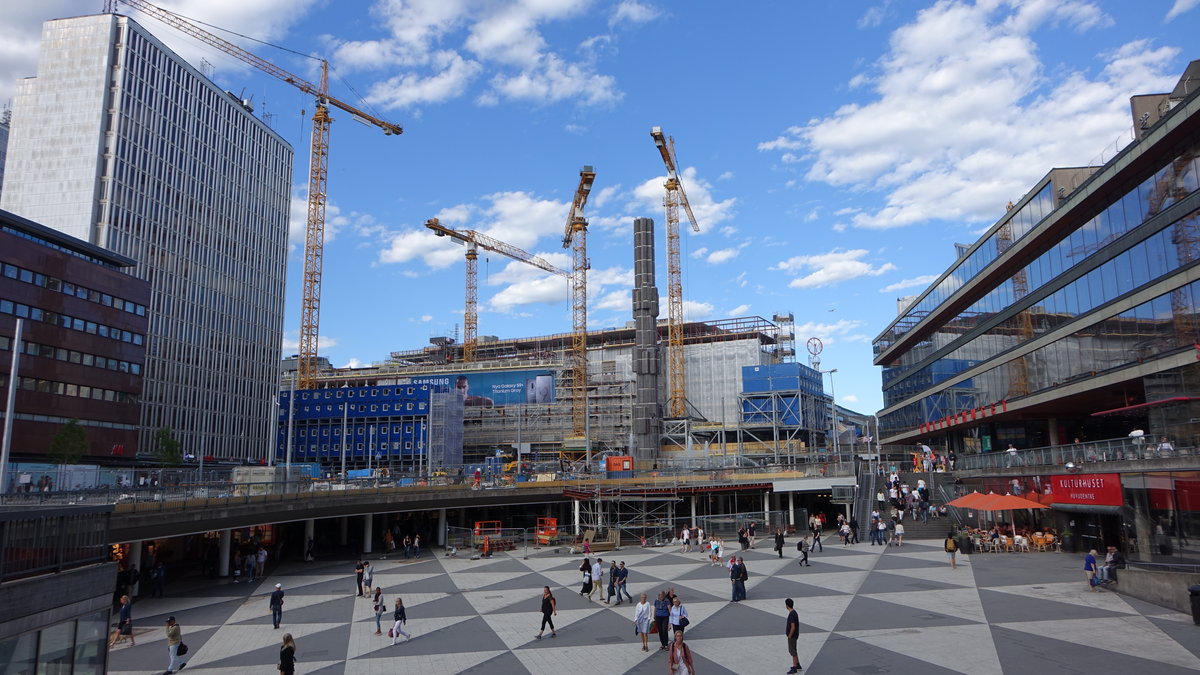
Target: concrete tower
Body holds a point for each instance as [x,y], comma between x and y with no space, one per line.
[646,413]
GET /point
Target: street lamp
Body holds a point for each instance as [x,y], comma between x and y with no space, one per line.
[833,411]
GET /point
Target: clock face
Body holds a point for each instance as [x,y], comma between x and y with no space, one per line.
[814,346]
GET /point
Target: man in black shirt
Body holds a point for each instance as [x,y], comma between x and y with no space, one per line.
[793,632]
[276,605]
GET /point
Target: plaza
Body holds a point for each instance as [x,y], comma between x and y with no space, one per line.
[863,609]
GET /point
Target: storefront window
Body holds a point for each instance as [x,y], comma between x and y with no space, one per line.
[90,637]
[55,649]
[18,656]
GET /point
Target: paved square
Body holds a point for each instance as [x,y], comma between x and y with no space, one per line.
[863,610]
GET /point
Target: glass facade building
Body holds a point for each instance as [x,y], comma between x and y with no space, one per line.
[121,143]
[1083,301]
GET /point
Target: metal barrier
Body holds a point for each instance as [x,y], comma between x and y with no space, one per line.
[42,541]
[1115,449]
[487,541]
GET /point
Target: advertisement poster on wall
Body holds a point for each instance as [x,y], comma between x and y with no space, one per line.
[493,389]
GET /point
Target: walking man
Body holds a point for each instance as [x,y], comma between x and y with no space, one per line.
[779,541]
[803,547]
[951,549]
[277,605]
[792,632]
[260,563]
[750,533]
[358,575]
[622,583]
[597,577]
[743,575]
[686,535]
[174,639]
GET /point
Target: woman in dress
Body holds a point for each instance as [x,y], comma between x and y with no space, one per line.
[641,622]
[124,627]
[549,607]
[680,659]
[586,568]
[287,655]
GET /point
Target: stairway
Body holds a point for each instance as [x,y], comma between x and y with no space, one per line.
[936,528]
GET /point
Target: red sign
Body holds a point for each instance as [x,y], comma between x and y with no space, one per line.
[1088,488]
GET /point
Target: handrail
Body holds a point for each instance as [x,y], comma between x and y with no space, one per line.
[1113,449]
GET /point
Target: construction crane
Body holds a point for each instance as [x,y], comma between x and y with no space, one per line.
[474,241]
[318,168]
[575,238]
[674,198]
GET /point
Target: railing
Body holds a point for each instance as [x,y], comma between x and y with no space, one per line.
[42,541]
[1116,449]
[1164,567]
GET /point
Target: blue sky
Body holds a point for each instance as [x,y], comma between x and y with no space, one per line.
[833,151]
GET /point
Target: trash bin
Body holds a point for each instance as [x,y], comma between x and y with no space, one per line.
[1194,591]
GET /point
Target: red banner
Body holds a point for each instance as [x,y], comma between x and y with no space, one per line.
[1088,488]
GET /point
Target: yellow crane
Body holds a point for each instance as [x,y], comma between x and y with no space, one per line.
[318,168]
[674,198]
[575,238]
[474,241]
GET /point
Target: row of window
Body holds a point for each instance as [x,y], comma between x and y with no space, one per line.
[304,450]
[72,356]
[362,407]
[73,323]
[364,393]
[1161,325]
[68,288]
[384,430]
[1177,178]
[56,246]
[73,390]
[1133,268]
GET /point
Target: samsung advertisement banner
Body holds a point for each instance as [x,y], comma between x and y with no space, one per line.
[501,388]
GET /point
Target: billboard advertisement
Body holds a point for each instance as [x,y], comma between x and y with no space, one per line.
[1095,488]
[500,388]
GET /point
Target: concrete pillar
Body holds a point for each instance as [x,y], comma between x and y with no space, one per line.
[766,510]
[368,536]
[693,523]
[792,508]
[135,560]
[344,524]
[575,511]
[441,533]
[224,549]
[310,527]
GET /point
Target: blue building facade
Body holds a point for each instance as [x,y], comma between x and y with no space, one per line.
[784,394]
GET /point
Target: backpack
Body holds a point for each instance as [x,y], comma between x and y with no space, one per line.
[800,545]
[745,574]
[951,545]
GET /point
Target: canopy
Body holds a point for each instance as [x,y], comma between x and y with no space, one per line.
[971,501]
[1006,502]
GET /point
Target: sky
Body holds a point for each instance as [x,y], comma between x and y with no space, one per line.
[833,151]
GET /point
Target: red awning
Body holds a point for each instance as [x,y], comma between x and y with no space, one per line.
[1176,399]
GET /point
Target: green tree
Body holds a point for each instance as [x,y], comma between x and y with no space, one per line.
[166,448]
[69,444]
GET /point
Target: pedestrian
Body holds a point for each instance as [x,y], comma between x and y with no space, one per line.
[276,604]
[251,562]
[174,640]
[779,541]
[680,659]
[549,608]
[612,583]
[686,536]
[750,533]
[400,618]
[124,627]
[853,530]
[792,631]
[597,577]
[899,533]
[380,607]
[237,566]
[679,616]
[407,546]
[844,531]
[1089,571]
[389,544]
[158,579]
[662,619]
[802,546]
[287,655]
[881,532]
[743,575]
[585,590]
[308,550]
[951,549]
[816,540]
[623,583]
[416,546]
[735,577]
[260,563]
[368,579]
[358,576]
[641,622]
[743,540]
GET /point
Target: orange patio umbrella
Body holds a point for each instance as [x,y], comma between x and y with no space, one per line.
[972,501]
[1007,502]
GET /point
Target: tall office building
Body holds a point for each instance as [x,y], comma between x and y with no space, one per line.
[121,143]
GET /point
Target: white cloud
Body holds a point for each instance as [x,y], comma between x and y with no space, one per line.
[915,282]
[723,255]
[604,195]
[452,75]
[709,212]
[849,398]
[697,311]
[826,269]
[1180,7]
[353,363]
[617,301]
[699,253]
[291,342]
[740,310]
[632,11]
[728,230]
[828,333]
[426,318]
[946,131]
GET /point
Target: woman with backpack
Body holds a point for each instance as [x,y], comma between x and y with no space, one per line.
[951,549]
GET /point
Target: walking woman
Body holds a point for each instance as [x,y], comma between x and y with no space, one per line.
[401,618]
[662,618]
[679,617]
[899,533]
[287,655]
[380,607]
[586,568]
[549,608]
[641,622]
[124,627]
[680,660]
[1089,571]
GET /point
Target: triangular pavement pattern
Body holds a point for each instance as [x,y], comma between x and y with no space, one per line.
[453,662]
[942,646]
[1006,608]
[1070,593]
[865,613]
[1124,635]
[731,652]
[823,613]
[616,658]
[365,642]
[846,582]
[961,602]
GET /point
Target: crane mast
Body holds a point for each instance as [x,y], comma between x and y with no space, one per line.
[318,168]
[575,238]
[672,200]
[474,241]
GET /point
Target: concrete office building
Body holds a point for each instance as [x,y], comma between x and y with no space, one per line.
[1075,316]
[121,143]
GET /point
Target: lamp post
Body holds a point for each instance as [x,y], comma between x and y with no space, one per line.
[833,410]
